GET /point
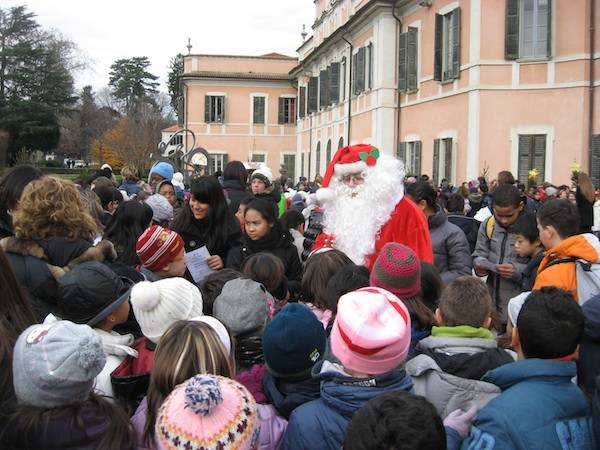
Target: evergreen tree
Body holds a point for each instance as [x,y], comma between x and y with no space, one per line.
[175,71]
[131,83]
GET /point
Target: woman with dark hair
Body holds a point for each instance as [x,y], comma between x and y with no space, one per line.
[450,246]
[584,198]
[128,223]
[12,184]
[207,221]
[264,233]
[15,316]
[235,180]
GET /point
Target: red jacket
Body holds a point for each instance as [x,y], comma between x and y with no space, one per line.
[407,225]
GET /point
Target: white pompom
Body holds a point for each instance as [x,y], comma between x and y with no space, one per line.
[145,296]
[324,195]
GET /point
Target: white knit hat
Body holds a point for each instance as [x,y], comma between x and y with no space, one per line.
[264,174]
[160,304]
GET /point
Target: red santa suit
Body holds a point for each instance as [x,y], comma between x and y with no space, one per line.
[373,214]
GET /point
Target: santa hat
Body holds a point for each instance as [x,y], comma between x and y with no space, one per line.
[347,160]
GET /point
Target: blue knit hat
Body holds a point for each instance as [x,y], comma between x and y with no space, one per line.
[293,342]
[164,169]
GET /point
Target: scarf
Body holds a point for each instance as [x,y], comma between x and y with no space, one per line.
[274,239]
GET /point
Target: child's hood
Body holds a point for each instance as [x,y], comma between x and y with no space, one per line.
[583,246]
[346,394]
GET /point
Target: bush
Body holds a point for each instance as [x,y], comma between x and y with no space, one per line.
[53,163]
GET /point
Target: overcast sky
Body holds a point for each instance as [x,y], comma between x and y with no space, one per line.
[108,30]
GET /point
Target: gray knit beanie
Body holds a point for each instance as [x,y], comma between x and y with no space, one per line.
[242,306]
[56,364]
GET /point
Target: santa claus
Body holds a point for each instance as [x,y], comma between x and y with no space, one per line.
[365,207]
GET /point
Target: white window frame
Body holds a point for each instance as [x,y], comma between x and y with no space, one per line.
[292,155]
[293,117]
[251,110]
[224,96]
[534,26]
[217,160]
[548,130]
[442,160]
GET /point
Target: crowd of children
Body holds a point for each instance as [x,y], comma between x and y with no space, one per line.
[111,340]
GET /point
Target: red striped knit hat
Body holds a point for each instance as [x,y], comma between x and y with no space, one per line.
[371,332]
[398,270]
[157,247]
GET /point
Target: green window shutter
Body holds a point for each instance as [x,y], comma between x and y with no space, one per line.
[549,30]
[511,38]
[222,110]
[259,110]
[417,158]
[411,56]
[438,47]
[402,152]
[313,91]
[539,155]
[302,164]
[403,62]
[436,161]
[360,69]
[327,86]
[334,83]
[455,18]
[302,101]
[281,111]
[328,152]
[370,62]
[225,159]
[595,169]
[322,89]
[354,69]
[448,158]
[525,156]
[207,109]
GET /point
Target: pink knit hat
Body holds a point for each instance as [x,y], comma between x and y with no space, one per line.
[208,411]
[371,333]
[397,269]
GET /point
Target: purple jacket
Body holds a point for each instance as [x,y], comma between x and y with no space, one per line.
[138,420]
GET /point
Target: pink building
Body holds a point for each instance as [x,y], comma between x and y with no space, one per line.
[242,108]
[455,88]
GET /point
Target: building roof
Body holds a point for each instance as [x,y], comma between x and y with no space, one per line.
[239,75]
[172,129]
[265,56]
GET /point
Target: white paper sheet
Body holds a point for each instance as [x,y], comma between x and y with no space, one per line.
[197,263]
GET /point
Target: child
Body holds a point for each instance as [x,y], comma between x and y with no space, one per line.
[162,210]
[161,253]
[94,295]
[558,224]
[187,348]
[54,370]
[267,269]
[292,343]
[396,420]
[528,245]
[539,407]
[318,270]
[156,307]
[131,183]
[460,350]
[495,250]
[370,339]
[398,269]
[212,286]
[208,411]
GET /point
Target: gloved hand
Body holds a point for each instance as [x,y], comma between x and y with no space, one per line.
[460,420]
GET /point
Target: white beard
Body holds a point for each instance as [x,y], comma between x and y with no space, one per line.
[355,216]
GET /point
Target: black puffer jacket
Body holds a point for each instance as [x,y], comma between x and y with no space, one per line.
[38,264]
[236,192]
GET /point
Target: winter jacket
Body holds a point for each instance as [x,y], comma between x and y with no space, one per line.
[563,275]
[117,348]
[530,271]
[272,427]
[416,335]
[253,381]
[298,241]
[131,187]
[596,412]
[286,395]
[138,422]
[39,264]
[282,247]
[586,212]
[499,249]
[448,371]
[468,225]
[61,432]
[131,378]
[588,367]
[321,424]
[236,192]
[595,227]
[450,248]
[539,408]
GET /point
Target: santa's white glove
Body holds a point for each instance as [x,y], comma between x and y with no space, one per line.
[460,421]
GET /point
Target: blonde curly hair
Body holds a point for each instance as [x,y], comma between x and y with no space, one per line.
[51,207]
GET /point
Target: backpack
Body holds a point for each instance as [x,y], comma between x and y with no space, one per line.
[588,277]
